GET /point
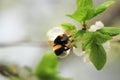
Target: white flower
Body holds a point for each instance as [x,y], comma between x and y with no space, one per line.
[106,46]
[87,59]
[98,25]
[78,51]
[54,32]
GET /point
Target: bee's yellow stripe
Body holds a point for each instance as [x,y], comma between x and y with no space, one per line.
[61,35]
[56,47]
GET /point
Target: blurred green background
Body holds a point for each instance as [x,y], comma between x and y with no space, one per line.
[29,20]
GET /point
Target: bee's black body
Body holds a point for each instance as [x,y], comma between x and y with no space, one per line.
[59,50]
[60,44]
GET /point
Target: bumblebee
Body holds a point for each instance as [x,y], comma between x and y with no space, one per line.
[61,44]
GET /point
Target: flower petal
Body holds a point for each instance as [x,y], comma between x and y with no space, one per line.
[92,28]
[86,59]
[98,25]
[107,46]
[54,32]
[78,51]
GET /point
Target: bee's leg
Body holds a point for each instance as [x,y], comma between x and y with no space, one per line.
[67,47]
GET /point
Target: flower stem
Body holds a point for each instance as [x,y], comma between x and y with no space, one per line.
[84,26]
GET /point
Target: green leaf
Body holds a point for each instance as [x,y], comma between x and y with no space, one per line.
[79,34]
[79,15]
[90,14]
[92,41]
[47,67]
[98,56]
[68,26]
[87,40]
[103,7]
[83,12]
[111,31]
[84,3]
[101,38]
